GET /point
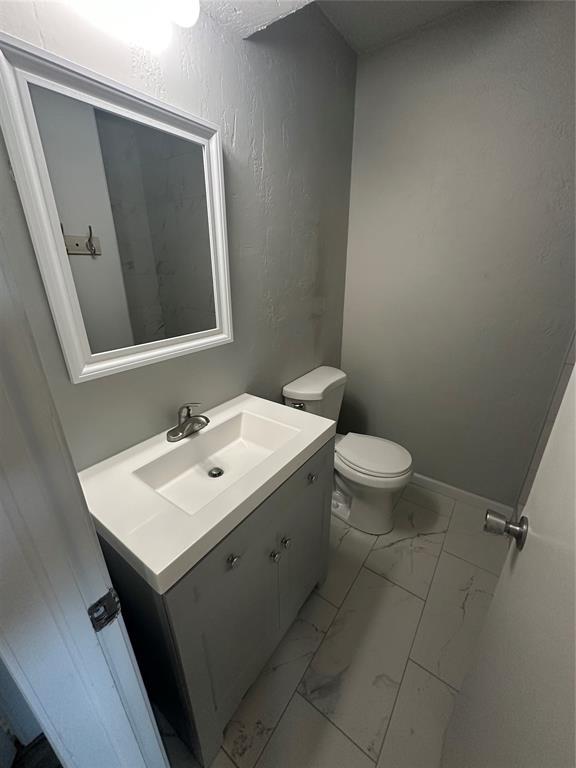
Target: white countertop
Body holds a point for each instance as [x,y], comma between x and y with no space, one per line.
[159,538]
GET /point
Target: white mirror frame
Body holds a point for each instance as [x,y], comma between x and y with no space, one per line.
[22,65]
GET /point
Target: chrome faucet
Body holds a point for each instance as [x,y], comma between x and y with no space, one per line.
[188,423]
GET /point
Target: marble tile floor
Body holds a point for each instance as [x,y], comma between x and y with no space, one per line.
[368,673]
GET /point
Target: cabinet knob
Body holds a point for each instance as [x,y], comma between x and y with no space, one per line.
[312,477]
[275,556]
[286,542]
[233,561]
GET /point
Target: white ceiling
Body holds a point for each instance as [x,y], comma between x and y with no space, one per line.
[365,24]
[371,24]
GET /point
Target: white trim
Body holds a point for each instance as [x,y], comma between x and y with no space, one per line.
[21,65]
[84,688]
[458,494]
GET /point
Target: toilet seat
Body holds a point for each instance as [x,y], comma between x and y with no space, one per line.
[373,457]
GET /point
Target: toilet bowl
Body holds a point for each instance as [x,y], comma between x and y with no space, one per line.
[370,470]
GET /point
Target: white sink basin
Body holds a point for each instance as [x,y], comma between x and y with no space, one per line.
[234,446]
[156,504]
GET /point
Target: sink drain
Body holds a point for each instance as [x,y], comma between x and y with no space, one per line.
[215,472]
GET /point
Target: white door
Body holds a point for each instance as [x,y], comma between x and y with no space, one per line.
[83,687]
[516,708]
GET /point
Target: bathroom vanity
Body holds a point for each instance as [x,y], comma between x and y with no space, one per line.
[206,608]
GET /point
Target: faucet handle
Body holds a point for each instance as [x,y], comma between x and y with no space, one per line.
[187,410]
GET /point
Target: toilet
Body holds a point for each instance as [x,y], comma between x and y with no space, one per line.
[370,470]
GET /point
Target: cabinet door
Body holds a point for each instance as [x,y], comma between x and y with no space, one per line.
[302,539]
[224,613]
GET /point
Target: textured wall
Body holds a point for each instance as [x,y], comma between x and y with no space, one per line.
[284,101]
[250,16]
[459,290]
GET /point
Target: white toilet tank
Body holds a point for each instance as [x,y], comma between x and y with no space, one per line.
[319,391]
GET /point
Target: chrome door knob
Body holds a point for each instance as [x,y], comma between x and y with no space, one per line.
[312,477]
[233,561]
[496,523]
[286,542]
[275,556]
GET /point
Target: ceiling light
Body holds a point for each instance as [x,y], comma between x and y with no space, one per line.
[185,13]
[144,23]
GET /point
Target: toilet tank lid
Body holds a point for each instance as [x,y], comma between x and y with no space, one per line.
[314,384]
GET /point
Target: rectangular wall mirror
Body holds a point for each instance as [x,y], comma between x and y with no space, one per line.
[124,197]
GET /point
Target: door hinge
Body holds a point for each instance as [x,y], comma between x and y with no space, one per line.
[104,610]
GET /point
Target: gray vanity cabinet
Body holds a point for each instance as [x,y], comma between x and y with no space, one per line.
[230,600]
[302,538]
[203,643]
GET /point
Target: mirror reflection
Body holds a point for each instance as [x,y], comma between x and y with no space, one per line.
[131,200]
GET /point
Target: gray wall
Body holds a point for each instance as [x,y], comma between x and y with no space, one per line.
[460,273]
[551,413]
[284,101]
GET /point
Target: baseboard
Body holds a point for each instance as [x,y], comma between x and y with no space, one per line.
[459,495]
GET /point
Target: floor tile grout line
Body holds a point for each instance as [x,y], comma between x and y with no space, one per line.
[362,566]
[423,601]
[223,748]
[316,592]
[447,551]
[359,571]
[443,533]
[434,675]
[435,493]
[337,609]
[425,489]
[314,656]
[399,687]
[336,726]
[429,509]
[359,568]
[429,490]
[393,583]
[273,731]
[469,562]
[325,634]
[295,691]
[229,756]
[408,657]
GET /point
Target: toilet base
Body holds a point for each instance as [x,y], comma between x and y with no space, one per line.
[371,509]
